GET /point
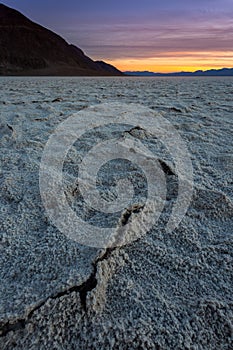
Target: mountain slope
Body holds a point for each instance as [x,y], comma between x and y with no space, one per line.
[26,48]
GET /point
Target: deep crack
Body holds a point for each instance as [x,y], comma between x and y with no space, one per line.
[90,284]
[83,289]
[166,168]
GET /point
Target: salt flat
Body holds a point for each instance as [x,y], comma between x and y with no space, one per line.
[162,291]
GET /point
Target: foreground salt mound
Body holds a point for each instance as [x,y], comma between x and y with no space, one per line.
[165,290]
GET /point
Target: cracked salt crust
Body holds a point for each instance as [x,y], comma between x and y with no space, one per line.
[163,291]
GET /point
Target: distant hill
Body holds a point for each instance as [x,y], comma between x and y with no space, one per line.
[26,48]
[199,73]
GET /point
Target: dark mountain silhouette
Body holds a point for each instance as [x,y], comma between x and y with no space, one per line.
[198,73]
[27,48]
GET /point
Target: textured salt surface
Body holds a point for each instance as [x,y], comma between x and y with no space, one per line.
[163,291]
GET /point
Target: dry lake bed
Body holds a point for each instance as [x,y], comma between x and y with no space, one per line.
[163,290]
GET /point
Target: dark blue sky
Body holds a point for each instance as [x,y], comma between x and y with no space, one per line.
[164,34]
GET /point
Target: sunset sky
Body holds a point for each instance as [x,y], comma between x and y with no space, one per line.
[155,35]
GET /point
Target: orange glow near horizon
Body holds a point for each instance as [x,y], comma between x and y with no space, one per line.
[176,62]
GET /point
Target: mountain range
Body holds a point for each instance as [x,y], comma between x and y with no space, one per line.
[199,73]
[27,48]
